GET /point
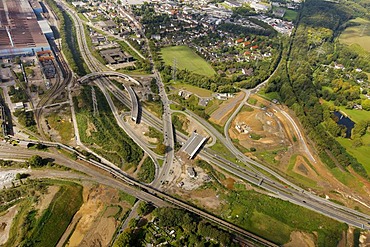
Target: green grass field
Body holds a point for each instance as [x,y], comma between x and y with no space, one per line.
[358,34]
[201,92]
[55,220]
[290,15]
[360,153]
[275,219]
[186,59]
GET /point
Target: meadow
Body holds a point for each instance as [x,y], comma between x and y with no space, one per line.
[359,34]
[186,58]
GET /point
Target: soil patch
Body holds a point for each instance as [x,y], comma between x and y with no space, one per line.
[95,222]
[260,129]
[46,199]
[301,167]
[301,239]
[229,183]
[6,222]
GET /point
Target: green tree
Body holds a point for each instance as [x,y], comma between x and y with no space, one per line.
[35,161]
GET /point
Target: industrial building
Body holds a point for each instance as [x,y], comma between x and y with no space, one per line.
[20,33]
[46,30]
[36,6]
[116,56]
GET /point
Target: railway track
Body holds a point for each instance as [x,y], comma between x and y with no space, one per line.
[57,88]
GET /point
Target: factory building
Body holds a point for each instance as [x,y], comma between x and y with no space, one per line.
[46,30]
[37,8]
[20,34]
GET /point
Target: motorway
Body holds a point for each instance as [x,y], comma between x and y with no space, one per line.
[131,186]
[291,193]
[95,66]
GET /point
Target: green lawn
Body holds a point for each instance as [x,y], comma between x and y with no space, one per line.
[186,59]
[201,92]
[290,15]
[355,115]
[358,34]
[360,153]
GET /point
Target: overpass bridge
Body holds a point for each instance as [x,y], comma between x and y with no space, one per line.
[107,74]
[135,103]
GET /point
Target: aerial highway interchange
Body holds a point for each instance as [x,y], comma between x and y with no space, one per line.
[245,168]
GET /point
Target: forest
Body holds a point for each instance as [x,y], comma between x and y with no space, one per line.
[308,74]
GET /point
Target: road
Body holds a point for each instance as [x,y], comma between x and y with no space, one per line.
[306,196]
[8,151]
[168,132]
[146,193]
[293,193]
[97,68]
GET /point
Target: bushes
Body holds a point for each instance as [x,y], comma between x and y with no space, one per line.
[147,171]
[104,134]
[69,40]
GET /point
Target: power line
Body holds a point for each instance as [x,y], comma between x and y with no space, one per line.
[95,103]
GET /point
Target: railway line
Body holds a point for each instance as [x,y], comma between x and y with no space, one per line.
[279,189]
[243,236]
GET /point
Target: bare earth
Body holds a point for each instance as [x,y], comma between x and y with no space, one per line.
[94,224]
[6,222]
[220,115]
[301,239]
[46,199]
[268,127]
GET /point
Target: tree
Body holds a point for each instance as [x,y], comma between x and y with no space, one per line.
[144,208]
[35,161]
[366,104]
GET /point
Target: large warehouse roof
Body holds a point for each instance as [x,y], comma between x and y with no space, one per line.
[18,27]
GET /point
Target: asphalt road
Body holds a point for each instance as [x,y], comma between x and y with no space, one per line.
[12,152]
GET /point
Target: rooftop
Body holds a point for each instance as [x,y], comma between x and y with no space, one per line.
[193,144]
[18,26]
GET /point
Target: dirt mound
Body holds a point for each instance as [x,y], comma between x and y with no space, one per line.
[301,239]
[95,223]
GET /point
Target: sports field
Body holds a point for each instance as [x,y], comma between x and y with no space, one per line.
[186,58]
[359,34]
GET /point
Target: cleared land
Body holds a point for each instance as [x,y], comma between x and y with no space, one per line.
[221,115]
[96,221]
[359,34]
[186,58]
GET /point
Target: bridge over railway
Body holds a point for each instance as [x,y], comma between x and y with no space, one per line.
[107,74]
[135,103]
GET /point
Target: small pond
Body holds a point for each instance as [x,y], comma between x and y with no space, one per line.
[346,121]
